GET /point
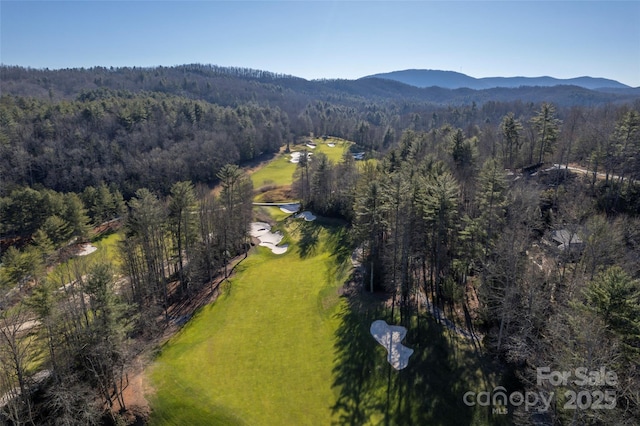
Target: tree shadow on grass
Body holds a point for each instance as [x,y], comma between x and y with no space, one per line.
[309,239]
[355,365]
[338,243]
[428,392]
[431,389]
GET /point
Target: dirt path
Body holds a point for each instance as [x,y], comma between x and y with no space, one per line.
[585,171]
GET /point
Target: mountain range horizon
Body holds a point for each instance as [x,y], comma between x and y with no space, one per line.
[455,80]
[422,78]
[433,86]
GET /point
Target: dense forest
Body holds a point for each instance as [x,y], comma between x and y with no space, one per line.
[468,203]
[67,129]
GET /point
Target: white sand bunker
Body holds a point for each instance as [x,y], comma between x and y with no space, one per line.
[262,231]
[85,249]
[295,208]
[331,145]
[306,215]
[312,146]
[295,156]
[290,208]
[358,156]
[390,337]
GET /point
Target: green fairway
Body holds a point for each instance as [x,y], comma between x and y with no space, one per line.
[280,347]
[334,153]
[280,171]
[429,391]
[263,354]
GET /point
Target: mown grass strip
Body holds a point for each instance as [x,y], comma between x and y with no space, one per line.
[263,352]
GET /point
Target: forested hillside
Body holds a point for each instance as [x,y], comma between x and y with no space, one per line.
[511,212]
[66,129]
[131,140]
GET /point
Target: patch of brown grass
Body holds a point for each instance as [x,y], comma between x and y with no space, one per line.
[271,194]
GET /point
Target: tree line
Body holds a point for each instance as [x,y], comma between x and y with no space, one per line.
[68,129]
[230,86]
[79,322]
[440,225]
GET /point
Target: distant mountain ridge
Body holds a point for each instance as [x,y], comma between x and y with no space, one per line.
[456,80]
[227,86]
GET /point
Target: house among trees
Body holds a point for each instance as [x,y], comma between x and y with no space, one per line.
[567,240]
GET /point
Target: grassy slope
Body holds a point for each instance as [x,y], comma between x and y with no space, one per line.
[281,348]
[264,351]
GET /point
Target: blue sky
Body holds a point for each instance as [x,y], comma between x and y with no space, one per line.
[331,39]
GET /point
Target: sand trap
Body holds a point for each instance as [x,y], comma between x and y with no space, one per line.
[331,145]
[295,208]
[390,337]
[295,156]
[262,231]
[85,249]
[25,326]
[306,215]
[290,208]
[312,146]
[276,249]
[358,156]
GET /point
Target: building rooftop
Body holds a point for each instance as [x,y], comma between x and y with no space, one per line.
[564,238]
